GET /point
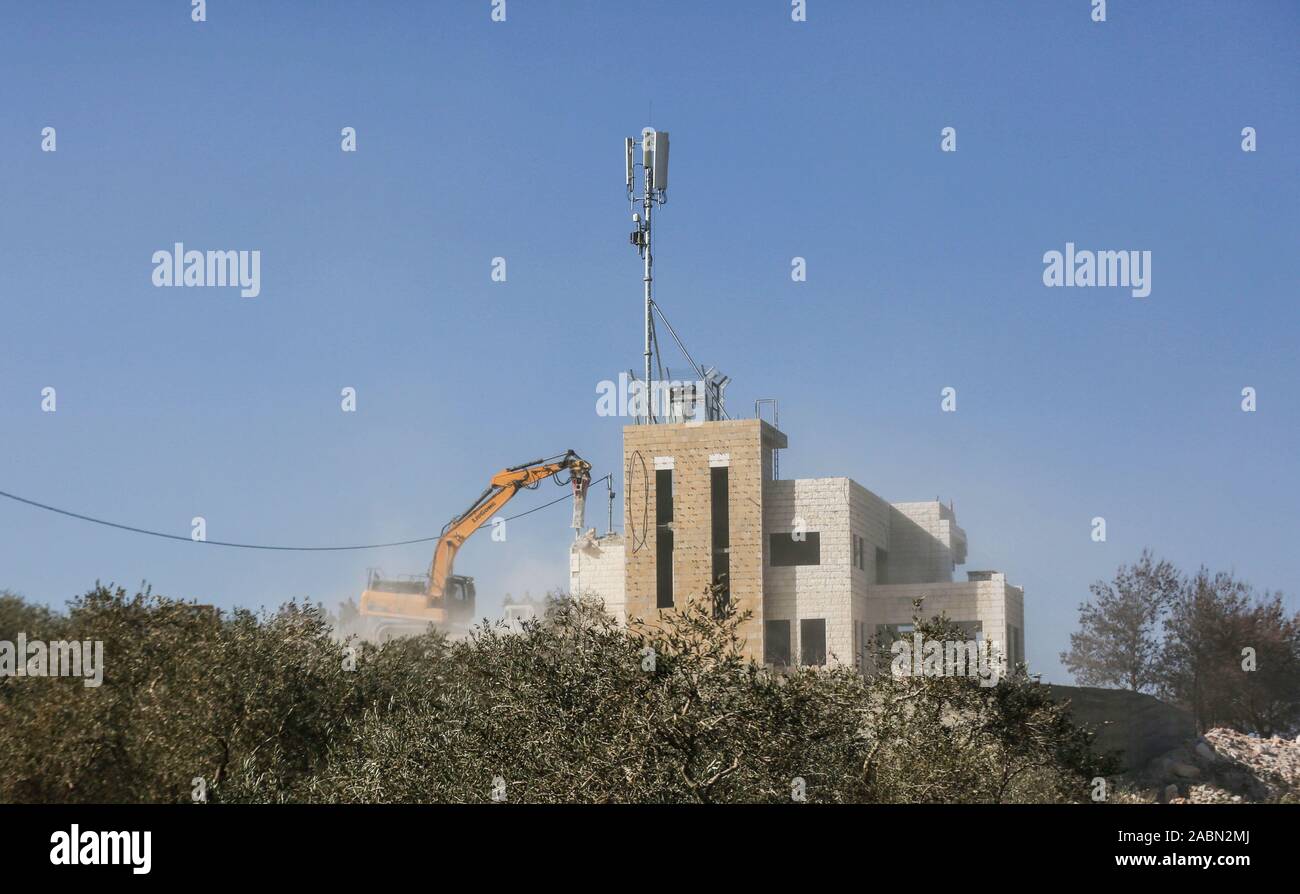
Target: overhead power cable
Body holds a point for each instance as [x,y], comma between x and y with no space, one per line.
[300,549]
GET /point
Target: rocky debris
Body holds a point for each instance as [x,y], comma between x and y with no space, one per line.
[1226,767]
[1203,794]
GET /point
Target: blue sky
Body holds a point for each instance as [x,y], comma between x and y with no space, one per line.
[479,139]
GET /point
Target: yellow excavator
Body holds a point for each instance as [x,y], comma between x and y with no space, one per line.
[392,606]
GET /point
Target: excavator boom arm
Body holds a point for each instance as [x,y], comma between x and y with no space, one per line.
[505,484]
[398,603]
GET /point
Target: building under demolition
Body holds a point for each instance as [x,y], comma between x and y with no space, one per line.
[823,565]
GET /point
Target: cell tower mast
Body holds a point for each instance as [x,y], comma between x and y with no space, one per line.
[654,191]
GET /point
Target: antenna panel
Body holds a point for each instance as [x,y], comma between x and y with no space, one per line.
[648,149]
[661,160]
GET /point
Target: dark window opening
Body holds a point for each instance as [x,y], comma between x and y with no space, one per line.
[882,566]
[812,641]
[721,522]
[776,643]
[887,635]
[664,538]
[663,496]
[788,551]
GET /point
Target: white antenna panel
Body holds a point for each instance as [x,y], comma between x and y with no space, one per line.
[661,160]
[648,149]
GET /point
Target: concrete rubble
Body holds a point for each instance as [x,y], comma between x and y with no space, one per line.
[1225,766]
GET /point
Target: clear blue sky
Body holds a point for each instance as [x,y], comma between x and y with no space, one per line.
[477,140]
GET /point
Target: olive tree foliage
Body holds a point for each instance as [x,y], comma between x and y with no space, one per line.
[187,694]
[946,738]
[20,616]
[579,709]
[275,707]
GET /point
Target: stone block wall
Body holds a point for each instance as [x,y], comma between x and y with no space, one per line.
[596,569]
[926,543]
[797,592]
[986,598]
[692,450]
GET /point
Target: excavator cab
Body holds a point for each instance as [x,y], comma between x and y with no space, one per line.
[460,600]
[407,602]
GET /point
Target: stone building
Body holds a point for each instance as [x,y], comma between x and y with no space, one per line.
[824,566]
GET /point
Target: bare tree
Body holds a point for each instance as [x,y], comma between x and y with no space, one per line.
[1118,641]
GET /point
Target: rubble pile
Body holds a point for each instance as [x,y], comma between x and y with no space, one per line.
[1225,766]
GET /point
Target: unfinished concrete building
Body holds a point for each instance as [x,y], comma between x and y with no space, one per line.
[824,566]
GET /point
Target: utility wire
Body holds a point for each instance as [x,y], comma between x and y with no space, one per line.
[552,502]
[673,332]
[300,549]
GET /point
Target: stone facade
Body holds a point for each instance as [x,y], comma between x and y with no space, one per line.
[687,453]
[925,543]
